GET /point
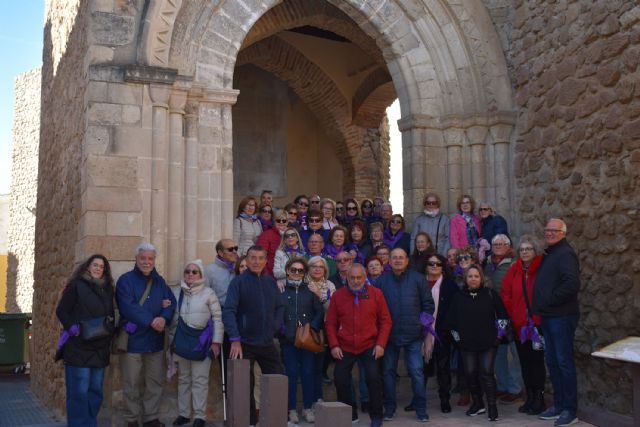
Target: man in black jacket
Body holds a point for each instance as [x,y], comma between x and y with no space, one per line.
[555,299]
[252,314]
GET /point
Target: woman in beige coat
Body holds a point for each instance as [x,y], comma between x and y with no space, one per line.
[199,305]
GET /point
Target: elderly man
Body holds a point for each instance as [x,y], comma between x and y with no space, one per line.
[492,224]
[507,366]
[358,326]
[252,314]
[315,245]
[146,307]
[344,260]
[407,297]
[386,212]
[222,270]
[434,223]
[555,300]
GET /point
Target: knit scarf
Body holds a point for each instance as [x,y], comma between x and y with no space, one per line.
[472,233]
[246,216]
[231,266]
[293,250]
[390,239]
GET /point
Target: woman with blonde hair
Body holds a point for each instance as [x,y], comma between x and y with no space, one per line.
[328,207]
[290,247]
[246,226]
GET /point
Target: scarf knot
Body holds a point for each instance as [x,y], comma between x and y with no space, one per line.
[231,266]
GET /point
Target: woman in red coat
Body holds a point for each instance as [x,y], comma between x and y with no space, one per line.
[270,239]
[529,343]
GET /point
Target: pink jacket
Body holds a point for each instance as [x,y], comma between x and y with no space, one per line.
[458,231]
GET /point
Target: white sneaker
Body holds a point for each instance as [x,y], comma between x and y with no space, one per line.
[309,416]
[293,416]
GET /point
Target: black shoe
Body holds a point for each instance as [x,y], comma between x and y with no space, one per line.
[476,408]
[198,422]
[180,421]
[365,407]
[493,413]
[445,406]
[153,423]
[527,403]
[537,403]
[409,408]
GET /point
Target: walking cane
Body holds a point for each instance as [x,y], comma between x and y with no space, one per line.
[224,389]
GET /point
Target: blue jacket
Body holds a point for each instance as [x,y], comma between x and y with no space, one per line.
[492,225]
[129,290]
[407,296]
[301,306]
[253,311]
[305,234]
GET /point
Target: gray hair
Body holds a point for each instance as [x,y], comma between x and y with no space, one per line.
[359,266]
[528,238]
[501,237]
[146,247]
[319,260]
[563,225]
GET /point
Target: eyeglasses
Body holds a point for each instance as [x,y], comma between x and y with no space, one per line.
[231,249]
[315,202]
[194,272]
[303,204]
[342,260]
[431,203]
[267,210]
[485,209]
[382,253]
[281,221]
[352,208]
[294,270]
[339,208]
[434,264]
[293,213]
[526,249]
[367,206]
[464,258]
[314,220]
[553,231]
[289,235]
[499,245]
[396,221]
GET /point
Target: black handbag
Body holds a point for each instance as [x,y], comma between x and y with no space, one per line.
[97,327]
[186,339]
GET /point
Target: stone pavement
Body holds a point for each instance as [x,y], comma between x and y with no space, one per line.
[19,407]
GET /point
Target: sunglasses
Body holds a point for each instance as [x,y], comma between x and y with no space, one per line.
[464,258]
[294,270]
[431,203]
[231,249]
[485,209]
[396,221]
[351,208]
[315,202]
[341,260]
[367,206]
[293,213]
[434,264]
[267,210]
[314,220]
[339,208]
[303,204]
[281,221]
[187,271]
[289,235]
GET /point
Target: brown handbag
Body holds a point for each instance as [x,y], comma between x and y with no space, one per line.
[308,339]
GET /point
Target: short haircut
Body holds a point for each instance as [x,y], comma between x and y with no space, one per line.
[256,248]
[220,246]
[244,202]
[433,196]
[502,237]
[319,260]
[563,225]
[266,192]
[145,247]
[382,246]
[314,213]
[375,225]
[290,206]
[528,238]
[372,258]
[280,214]
[295,260]
[344,231]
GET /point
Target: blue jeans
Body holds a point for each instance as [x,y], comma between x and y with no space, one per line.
[84,395]
[508,369]
[413,360]
[299,362]
[558,334]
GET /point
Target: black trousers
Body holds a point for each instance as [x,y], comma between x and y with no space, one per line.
[373,374]
[440,365]
[270,363]
[534,372]
[479,370]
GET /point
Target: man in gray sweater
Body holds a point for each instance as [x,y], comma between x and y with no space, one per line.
[434,223]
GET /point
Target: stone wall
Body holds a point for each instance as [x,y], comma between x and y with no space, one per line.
[577,157]
[59,168]
[24,188]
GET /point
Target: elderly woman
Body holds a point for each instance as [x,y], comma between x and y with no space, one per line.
[491,223]
[198,315]
[395,236]
[266,217]
[376,234]
[465,226]
[246,226]
[271,238]
[314,226]
[301,306]
[374,269]
[323,288]
[464,258]
[86,312]
[422,248]
[477,319]
[339,242]
[290,247]
[358,234]
[434,223]
[328,208]
[516,292]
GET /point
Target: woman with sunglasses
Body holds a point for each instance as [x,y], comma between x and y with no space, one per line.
[246,226]
[395,236]
[270,239]
[290,247]
[422,249]
[199,309]
[302,202]
[358,234]
[266,217]
[351,212]
[301,306]
[466,228]
[367,212]
[314,226]
[433,222]
[477,319]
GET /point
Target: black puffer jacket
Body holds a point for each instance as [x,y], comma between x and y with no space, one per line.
[84,300]
[300,305]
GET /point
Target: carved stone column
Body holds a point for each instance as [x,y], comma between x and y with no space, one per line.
[191,180]
[454,140]
[159,171]
[501,135]
[175,247]
[477,186]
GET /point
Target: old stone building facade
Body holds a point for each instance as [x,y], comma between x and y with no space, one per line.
[533,105]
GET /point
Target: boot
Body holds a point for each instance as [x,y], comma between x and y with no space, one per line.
[493,413]
[537,404]
[527,403]
[477,406]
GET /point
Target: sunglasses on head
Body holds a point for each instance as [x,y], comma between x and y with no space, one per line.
[231,249]
[187,271]
[294,270]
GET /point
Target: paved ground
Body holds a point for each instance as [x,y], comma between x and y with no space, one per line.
[19,407]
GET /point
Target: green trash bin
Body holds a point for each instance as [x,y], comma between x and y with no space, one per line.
[14,337]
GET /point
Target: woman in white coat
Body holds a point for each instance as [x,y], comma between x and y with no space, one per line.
[246,227]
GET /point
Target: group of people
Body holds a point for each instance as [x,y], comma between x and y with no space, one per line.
[453,295]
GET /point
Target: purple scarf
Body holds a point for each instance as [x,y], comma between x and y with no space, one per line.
[530,332]
[206,337]
[386,268]
[357,294]
[426,320]
[391,240]
[501,327]
[231,266]
[295,250]
[265,224]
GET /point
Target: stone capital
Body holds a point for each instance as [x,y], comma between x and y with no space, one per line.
[501,133]
[463,121]
[159,95]
[477,134]
[177,101]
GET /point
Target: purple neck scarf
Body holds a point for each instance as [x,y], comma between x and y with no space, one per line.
[295,250]
[386,268]
[426,320]
[357,293]
[331,251]
[265,224]
[231,266]
[391,240]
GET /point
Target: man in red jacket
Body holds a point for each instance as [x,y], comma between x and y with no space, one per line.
[358,326]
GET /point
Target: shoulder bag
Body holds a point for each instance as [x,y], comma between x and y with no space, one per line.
[186,340]
[308,339]
[121,339]
[97,327]
[536,344]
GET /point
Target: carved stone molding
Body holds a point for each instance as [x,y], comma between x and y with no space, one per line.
[158,29]
[464,121]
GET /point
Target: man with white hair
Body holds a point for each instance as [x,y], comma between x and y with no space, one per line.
[507,368]
[146,307]
[555,300]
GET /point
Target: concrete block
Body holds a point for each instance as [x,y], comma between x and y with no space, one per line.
[124,223]
[97,91]
[238,392]
[117,248]
[144,173]
[99,55]
[332,414]
[92,223]
[113,199]
[132,141]
[273,403]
